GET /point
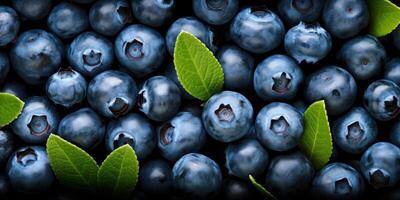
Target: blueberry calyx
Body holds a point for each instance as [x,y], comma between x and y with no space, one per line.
[26,157]
[123,11]
[122,139]
[166,132]
[118,106]
[279,125]
[259,11]
[134,49]
[39,125]
[354,131]
[379,178]
[335,93]
[302,6]
[225,113]
[282,82]
[91,57]
[392,106]
[141,100]
[166,2]
[218,5]
[343,186]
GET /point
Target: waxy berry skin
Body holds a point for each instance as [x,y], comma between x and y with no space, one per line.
[153,13]
[10,24]
[215,12]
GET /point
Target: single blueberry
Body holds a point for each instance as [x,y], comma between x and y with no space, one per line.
[197,175]
[337,181]
[379,165]
[7,145]
[257,29]
[392,70]
[334,85]
[355,131]
[36,55]
[66,87]
[108,17]
[278,77]
[246,157]
[29,171]
[308,43]
[67,20]
[32,9]
[132,129]
[4,65]
[9,25]
[238,67]
[279,126]
[215,12]
[345,18]
[155,178]
[363,56]
[38,119]
[90,54]
[140,49]
[381,99]
[153,12]
[289,175]
[227,116]
[159,98]
[83,128]
[296,11]
[112,93]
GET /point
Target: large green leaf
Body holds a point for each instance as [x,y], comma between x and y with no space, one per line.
[10,107]
[198,70]
[264,192]
[316,142]
[73,166]
[118,174]
[384,17]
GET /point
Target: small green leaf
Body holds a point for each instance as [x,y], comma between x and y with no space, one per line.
[384,17]
[264,192]
[118,174]
[10,108]
[316,142]
[198,70]
[73,166]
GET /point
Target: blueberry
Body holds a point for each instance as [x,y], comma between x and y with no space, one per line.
[392,70]
[159,98]
[140,49]
[112,93]
[238,67]
[396,37]
[197,175]
[289,174]
[215,12]
[9,25]
[29,171]
[245,158]
[4,66]
[16,88]
[278,77]
[90,54]
[132,129]
[355,131]
[36,55]
[296,11]
[154,12]
[257,29]
[108,17]
[7,145]
[193,26]
[170,73]
[363,56]
[66,87]
[37,120]
[337,181]
[32,9]
[155,177]
[379,165]
[308,43]
[236,190]
[83,128]
[227,116]
[5,186]
[395,133]
[334,85]
[279,126]
[67,20]
[381,99]
[345,18]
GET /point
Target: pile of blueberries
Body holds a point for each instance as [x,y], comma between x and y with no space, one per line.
[100,74]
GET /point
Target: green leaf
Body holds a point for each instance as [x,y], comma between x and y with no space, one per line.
[384,17]
[198,70]
[10,108]
[118,174]
[73,166]
[316,142]
[264,192]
